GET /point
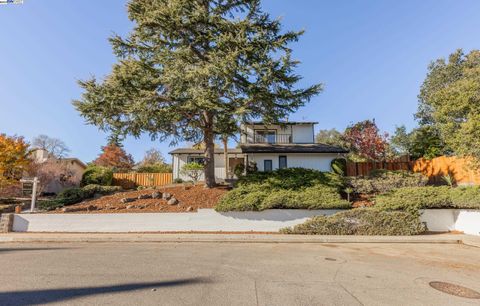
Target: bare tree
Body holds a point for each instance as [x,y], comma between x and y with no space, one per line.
[55,147]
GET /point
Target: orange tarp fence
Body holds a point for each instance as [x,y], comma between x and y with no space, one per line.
[458,168]
[131,180]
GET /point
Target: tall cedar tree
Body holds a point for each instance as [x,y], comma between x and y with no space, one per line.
[115,157]
[187,63]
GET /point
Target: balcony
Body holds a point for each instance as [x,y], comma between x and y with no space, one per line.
[273,138]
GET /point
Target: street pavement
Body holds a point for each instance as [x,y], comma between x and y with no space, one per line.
[207,273]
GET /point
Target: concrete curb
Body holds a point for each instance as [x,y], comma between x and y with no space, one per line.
[233,238]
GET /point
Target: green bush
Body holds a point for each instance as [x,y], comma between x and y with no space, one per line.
[361,221]
[381,181]
[293,178]
[98,176]
[465,197]
[412,199]
[75,195]
[258,197]
[339,166]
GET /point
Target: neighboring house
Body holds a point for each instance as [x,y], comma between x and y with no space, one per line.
[73,167]
[284,145]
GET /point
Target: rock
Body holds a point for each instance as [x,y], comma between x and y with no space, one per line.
[144,196]
[156,195]
[172,201]
[166,196]
[130,206]
[189,208]
[127,200]
[66,209]
[91,207]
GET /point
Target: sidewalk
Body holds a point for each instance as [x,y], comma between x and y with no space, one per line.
[237,238]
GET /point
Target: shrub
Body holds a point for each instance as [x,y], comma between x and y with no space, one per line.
[193,170]
[414,198]
[92,189]
[361,221]
[178,180]
[97,175]
[239,170]
[293,178]
[260,197]
[381,181]
[75,195]
[465,197]
[339,166]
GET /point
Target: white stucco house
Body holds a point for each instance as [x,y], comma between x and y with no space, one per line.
[283,145]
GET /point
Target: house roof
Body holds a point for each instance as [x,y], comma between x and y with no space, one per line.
[291,148]
[74,159]
[281,123]
[195,151]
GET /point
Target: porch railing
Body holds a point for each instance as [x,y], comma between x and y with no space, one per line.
[273,139]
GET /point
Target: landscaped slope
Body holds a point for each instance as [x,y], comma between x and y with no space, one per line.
[285,188]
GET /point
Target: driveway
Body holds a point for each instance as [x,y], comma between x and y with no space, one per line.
[235,273]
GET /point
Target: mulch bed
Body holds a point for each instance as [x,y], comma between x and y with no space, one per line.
[190,200]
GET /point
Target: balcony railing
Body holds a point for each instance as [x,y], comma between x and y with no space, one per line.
[273,139]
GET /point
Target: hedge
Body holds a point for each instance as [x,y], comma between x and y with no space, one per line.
[293,178]
[414,198]
[361,221]
[381,181]
[97,175]
[259,197]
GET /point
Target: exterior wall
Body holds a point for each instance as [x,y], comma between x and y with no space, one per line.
[443,220]
[72,167]
[203,220]
[179,160]
[316,161]
[303,133]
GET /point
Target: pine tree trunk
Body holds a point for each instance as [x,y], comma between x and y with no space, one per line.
[209,150]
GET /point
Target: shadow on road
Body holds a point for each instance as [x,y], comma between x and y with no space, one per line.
[34,297]
[3,250]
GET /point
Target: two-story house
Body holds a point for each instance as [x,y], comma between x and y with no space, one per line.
[283,145]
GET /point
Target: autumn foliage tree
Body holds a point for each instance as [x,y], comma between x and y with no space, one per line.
[14,159]
[113,156]
[364,138]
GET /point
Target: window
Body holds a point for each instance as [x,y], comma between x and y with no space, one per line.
[196,159]
[264,136]
[282,162]
[267,165]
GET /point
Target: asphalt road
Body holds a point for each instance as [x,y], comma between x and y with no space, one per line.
[235,274]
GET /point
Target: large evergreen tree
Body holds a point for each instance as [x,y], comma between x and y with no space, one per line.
[187,63]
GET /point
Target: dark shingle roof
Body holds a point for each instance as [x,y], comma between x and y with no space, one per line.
[291,148]
[195,151]
[280,123]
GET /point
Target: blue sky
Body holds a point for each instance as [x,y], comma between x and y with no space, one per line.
[372,57]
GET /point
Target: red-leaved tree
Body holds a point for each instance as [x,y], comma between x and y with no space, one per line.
[364,138]
[115,157]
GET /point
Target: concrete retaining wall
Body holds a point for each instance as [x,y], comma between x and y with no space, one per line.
[203,220]
[441,220]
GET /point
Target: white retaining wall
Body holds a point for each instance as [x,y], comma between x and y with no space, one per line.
[442,220]
[203,220]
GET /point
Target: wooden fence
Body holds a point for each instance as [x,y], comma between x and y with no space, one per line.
[458,168]
[131,180]
[364,168]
